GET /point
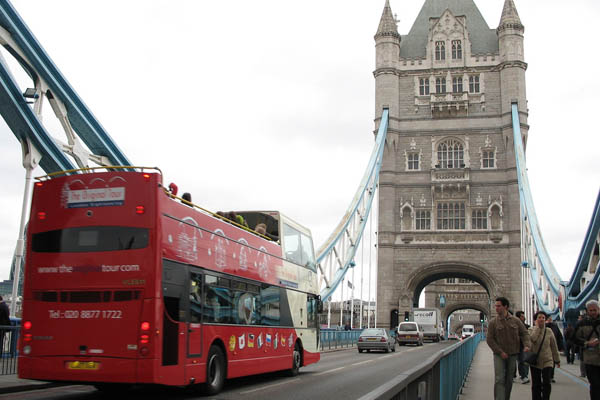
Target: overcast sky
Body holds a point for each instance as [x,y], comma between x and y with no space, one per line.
[270,104]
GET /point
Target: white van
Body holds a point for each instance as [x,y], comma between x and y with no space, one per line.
[467,331]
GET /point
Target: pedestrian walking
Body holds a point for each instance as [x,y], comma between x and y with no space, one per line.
[522,367]
[579,350]
[505,332]
[570,346]
[543,342]
[559,339]
[4,321]
[587,336]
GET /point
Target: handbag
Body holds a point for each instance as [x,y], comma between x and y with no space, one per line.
[529,357]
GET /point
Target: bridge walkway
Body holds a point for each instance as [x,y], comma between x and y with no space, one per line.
[480,383]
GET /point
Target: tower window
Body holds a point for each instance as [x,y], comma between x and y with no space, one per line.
[423,220]
[456,50]
[440,50]
[440,85]
[457,84]
[450,154]
[450,216]
[424,86]
[474,83]
[413,161]
[479,219]
[487,159]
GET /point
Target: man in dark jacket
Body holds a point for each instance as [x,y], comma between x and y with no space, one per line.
[4,321]
[587,336]
[559,339]
[522,367]
[570,347]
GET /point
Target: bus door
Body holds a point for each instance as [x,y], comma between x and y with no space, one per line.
[194,328]
[174,322]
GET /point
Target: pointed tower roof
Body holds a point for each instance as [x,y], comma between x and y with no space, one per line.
[483,39]
[510,17]
[387,24]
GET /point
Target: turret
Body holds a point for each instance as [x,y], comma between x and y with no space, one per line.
[510,41]
[387,50]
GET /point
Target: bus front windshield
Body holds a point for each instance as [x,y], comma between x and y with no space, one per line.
[298,247]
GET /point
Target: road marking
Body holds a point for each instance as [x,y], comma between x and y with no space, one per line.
[363,362]
[270,386]
[331,370]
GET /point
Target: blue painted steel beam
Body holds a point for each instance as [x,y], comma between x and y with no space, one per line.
[546,267]
[82,120]
[371,175]
[22,121]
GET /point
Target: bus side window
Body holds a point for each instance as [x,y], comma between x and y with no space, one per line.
[195,297]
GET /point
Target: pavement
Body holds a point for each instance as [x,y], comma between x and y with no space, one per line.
[480,382]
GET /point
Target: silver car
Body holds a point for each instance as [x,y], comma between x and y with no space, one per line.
[376,339]
[409,332]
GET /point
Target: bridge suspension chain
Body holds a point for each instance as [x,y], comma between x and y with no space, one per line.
[336,255]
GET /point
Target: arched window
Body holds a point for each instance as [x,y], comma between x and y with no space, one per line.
[450,154]
[440,50]
[456,50]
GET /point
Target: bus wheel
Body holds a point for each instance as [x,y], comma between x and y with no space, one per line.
[215,371]
[296,361]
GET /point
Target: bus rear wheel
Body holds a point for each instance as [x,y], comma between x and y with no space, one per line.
[296,361]
[215,371]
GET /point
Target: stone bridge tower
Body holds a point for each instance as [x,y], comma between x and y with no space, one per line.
[448,191]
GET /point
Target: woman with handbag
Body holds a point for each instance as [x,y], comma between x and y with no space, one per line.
[544,343]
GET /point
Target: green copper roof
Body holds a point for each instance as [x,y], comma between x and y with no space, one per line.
[483,39]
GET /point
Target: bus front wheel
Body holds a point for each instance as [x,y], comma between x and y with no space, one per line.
[215,371]
[296,361]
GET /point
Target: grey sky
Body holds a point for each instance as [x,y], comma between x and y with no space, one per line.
[270,104]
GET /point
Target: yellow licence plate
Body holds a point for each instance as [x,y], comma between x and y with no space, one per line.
[408,336]
[371,339]
[89,365]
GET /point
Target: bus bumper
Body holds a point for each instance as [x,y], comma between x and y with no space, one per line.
[311,358]
[88,370]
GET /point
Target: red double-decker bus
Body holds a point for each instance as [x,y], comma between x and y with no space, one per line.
[125,283]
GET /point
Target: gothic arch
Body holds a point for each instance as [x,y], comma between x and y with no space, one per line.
[447,311]
[422,277]
[407,213]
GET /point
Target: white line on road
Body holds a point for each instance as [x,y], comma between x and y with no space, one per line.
[327,372]
[270,386]
[363,362]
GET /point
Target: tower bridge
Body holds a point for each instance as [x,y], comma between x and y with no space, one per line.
[447,172]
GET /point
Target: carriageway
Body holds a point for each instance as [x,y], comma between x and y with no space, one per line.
[87,142]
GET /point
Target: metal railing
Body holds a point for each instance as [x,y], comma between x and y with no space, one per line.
[332,339]
[9,337]
[440,377]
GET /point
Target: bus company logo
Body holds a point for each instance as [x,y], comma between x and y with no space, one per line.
[232,343]
[101,197]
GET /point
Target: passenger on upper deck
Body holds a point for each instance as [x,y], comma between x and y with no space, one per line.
[261,228]
[187,199]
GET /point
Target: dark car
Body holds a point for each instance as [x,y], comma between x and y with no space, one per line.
[376,339]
